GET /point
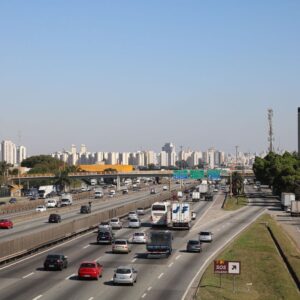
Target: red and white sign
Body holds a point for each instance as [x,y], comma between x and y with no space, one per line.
[220,267]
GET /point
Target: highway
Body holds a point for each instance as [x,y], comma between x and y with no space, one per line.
[165,278]
[39,221]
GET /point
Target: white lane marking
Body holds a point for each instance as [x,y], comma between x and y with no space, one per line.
[86,246]
[91,298]
[70,276]
[144,295]
[205,264]
[98,258]
[28,275]
[149,288]
[38,297]
[133,260]
[170,265]
[30,257]
[162,274]
[177,257]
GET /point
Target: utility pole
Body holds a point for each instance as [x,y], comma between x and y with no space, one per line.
[236,155]
[270,132]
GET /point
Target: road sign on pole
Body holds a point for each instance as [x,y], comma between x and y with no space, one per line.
[214,174]
[196,174]
[234,267]
[220,267]
[181,174]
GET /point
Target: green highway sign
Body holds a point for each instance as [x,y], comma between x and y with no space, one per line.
[196,174]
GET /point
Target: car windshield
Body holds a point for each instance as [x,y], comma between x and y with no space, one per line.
[104,223]
[53,256]
[204,233]
[114,220]
[120,242]
[134,220]
[193,242]
[123,271]
[87,265]
[132,213]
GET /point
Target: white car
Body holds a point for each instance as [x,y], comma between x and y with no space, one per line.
[112,193]
[194,215]
[139,238]
[132,214]
[127,275]
[41,208]
[140,211]
[205,236]
[165,188]
[134,223]
[115,223]
[121,246]
[104,225]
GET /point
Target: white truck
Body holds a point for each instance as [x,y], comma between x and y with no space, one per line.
[295,208]
[93,181]
[195,196]
[286,199]
[181,215]
[51,203]
[98,193]
[66,200]
[45,190]
[179,194]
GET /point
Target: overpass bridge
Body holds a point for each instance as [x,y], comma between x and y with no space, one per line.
[117,175]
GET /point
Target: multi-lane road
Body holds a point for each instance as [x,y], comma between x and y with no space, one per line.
[165,278]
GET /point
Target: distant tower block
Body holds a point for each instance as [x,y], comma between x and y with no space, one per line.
[270,133]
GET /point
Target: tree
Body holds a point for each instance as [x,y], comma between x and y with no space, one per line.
[62,180]
[42,164]
[181,164]
[237,183]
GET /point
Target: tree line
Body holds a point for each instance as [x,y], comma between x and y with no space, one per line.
[280,172]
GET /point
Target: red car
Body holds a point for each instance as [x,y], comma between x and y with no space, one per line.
[90,269]
[5,223]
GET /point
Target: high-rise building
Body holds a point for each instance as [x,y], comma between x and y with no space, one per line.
[163,159]
[9,152]
[113,158]
[169,148]
[21,154]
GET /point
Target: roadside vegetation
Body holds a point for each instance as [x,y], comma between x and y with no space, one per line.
[279,172]
[234,203]
[263,273]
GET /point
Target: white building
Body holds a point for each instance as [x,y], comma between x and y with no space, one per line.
[21,154]
[9,152]
[113,158]
[163,159]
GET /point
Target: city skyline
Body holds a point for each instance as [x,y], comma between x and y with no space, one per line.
[131,75]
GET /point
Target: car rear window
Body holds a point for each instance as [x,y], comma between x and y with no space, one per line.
[204,233]
[193,242]
[123,271]
[134,220]
[120,242]
[138,234]
[53,256]
[87,265]
[114,220]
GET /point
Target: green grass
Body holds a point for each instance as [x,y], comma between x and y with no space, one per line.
[261,266]
[234,203]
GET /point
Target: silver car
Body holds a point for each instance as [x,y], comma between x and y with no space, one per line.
[139,238]
[115,223]
[125,275]
[205,236]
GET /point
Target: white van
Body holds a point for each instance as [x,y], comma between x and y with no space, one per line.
[51,203]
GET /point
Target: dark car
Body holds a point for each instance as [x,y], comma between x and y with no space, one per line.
[33,197]
[54,218]
[105,237]
[85,209]
[56,261]
[193,246]
[12,200]
[3,203]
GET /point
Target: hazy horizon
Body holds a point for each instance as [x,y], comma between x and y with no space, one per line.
[124,76]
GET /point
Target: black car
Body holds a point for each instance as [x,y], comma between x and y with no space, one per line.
[56,261]
[105,237]
[193,246]
[85,209]
[12,200]
[54,218]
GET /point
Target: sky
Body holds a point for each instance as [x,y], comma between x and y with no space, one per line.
[132,75]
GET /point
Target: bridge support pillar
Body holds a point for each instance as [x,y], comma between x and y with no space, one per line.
[118,183]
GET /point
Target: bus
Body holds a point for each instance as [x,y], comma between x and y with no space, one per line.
[161,214]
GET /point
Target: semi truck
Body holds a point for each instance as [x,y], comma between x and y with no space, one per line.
[159,243]
[286,199]
[195,196]
[45,190]
[295,208]
[181,215]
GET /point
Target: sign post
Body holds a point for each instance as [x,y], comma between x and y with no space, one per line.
[234,268]
[220,267]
